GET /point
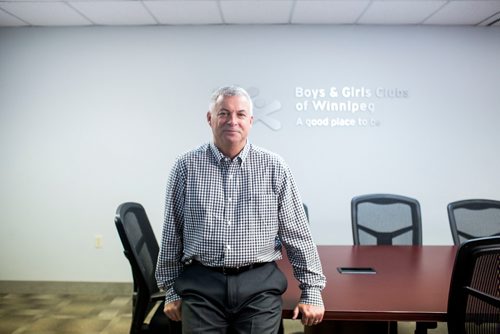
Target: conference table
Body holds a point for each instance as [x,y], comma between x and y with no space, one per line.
[405,283]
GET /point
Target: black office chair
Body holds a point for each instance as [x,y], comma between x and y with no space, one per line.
[474,297]
[388,219]
[141,250]
[474,218]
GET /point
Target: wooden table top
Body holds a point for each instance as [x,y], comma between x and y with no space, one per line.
[411,283]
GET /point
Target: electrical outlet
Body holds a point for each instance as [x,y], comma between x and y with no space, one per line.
[98,241]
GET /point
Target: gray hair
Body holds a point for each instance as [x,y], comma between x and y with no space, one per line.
[229,91]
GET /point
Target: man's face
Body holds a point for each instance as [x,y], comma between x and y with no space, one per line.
[231,121]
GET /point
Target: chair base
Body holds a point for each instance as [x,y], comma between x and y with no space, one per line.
[422,327]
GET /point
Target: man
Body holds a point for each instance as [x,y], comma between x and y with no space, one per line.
[230,206]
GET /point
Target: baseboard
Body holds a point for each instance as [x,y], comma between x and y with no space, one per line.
[78,288]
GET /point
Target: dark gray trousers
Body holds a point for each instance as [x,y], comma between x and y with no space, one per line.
[249,302]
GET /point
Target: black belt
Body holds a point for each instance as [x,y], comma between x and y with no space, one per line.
[233,270]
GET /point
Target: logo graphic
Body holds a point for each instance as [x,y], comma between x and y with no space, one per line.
[262,110]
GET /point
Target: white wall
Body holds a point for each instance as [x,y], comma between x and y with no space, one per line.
[92,117]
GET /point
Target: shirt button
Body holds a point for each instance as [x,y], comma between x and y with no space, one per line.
[229,222]
[228,247]
[229,199]
[230,176]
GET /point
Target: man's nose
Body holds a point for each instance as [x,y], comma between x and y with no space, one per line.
[233,119]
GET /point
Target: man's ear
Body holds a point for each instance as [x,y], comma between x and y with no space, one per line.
[209,118]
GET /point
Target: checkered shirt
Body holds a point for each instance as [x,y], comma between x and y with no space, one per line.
[232,213]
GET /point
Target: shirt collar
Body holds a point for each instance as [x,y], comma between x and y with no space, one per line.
[241,157]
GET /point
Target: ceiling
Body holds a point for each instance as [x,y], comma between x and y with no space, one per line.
[17,13]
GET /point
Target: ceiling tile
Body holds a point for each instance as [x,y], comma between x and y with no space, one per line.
[185,12]
[256,11]
[7,20]
[464,12]
[45,13]
[114,12]
[400,12]
[174,12]
[30,1]
[328,12]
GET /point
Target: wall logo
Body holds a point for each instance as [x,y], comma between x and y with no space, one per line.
[262,110]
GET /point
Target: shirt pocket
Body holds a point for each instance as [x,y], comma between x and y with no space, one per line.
[203,221]
[264,220]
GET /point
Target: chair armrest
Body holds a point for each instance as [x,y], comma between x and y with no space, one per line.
[160,295]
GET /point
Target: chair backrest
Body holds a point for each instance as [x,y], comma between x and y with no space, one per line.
[386,219]
[474,297]
[139,244]
[473,218]
[306,209]
[141,249]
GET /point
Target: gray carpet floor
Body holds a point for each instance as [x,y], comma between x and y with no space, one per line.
[92,314]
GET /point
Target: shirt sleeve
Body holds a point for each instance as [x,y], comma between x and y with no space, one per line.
[169,265]
[297,239]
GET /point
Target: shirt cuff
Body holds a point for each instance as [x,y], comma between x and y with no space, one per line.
[171,296]
[311,297]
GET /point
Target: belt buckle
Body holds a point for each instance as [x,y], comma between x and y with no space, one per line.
[233,270]
[230,271]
